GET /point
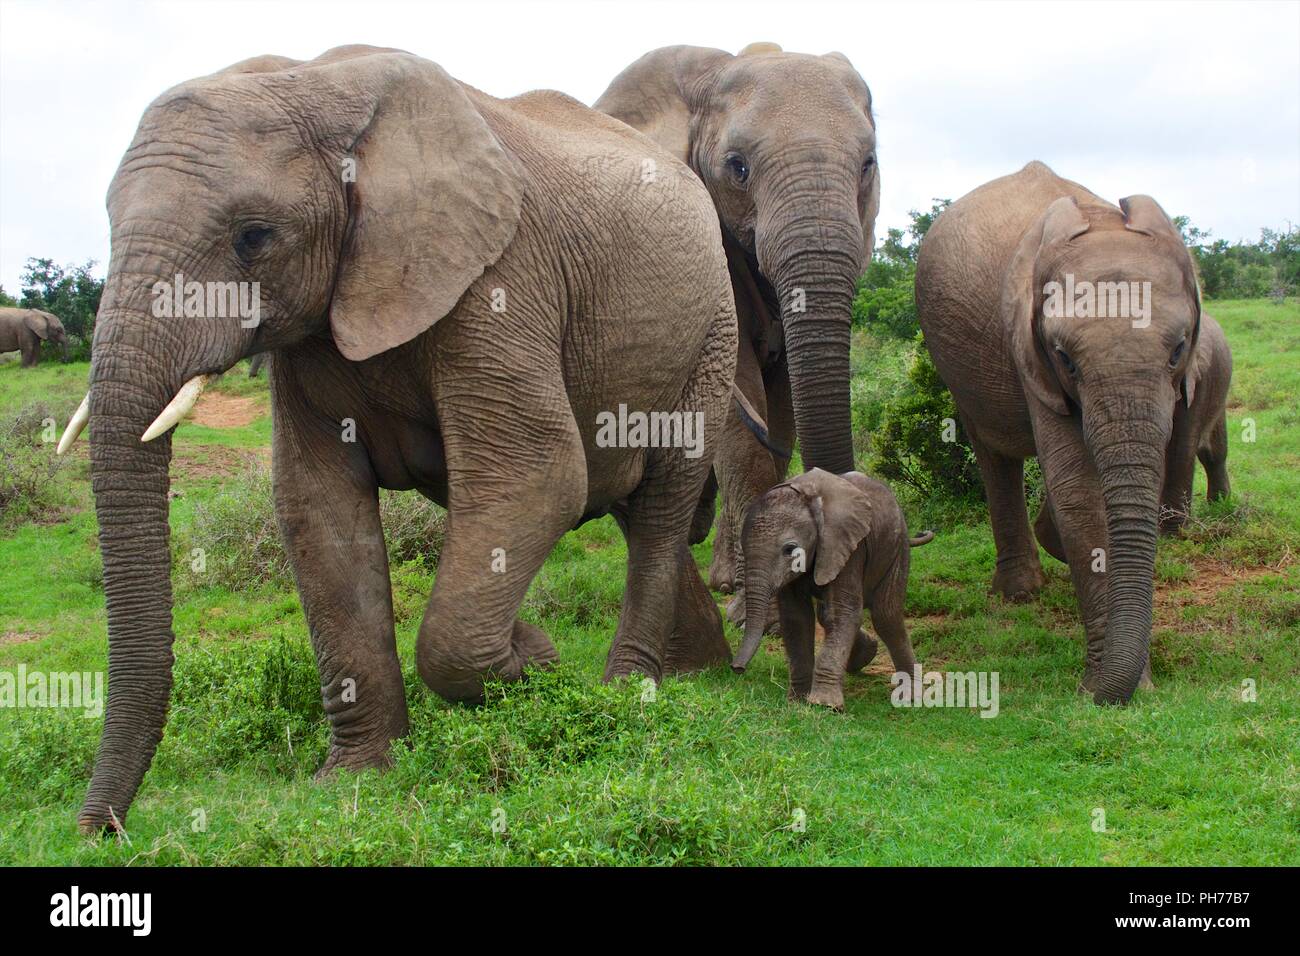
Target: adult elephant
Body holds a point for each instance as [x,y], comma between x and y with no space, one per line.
[1069,329]
[448,288]
[786,145]
[23,330]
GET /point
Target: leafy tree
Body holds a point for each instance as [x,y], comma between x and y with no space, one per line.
[884,297]
[1245,270]
[71,292]
[6,300]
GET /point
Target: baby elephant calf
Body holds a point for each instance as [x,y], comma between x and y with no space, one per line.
[838,541]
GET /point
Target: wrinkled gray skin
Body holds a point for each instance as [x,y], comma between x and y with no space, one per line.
[1204,435]
[377,296]
[23,330]
[837,543]
[1098,400]
[786,145]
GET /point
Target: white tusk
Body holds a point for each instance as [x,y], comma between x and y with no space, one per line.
[75,425]
[177,408]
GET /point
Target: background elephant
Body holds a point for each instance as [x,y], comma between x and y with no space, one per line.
[1097,393]
[23,330]
[256,362]
[446,288]
[1200,431]
[786,145]
[829,545]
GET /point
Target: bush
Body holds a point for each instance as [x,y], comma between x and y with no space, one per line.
[920,442]
[885,299]
[31,487]
[240,538]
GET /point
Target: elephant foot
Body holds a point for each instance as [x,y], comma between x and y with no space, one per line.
[1171,522]
[532,646]
[697,641]
[1018,584]
[830,696]
[863,652]
[722,576]
[354,759]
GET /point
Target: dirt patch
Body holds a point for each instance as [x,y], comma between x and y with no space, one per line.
[216,410]
[1210,578]
[215,461]
[19,637]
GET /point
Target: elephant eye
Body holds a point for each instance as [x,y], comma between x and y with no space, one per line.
[737,167]
[790,548]
[868,164]
[1177,353]
[1066,360]
[251,241]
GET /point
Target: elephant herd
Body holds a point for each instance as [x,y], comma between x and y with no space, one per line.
[458,290]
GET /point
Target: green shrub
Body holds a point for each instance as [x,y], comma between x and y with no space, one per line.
[920,442]
[31,486]
[885,299]
[240,539]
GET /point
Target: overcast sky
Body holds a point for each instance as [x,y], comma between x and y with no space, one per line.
[1197,104]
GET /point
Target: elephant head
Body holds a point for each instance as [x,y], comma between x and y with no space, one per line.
[340,192]
[813,522]
[786,145]
[47,327]
[1103,313]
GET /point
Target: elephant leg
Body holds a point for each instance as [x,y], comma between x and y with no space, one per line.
[744,469]
[863,653]
[780,414]
[841,617]
[1180,469]
[329,520]
[887,604]
[705,510]
[1214,458]
[798,633]
[697,641]
[31,351]
[509,504]
[1019,574]
[656,520]
[1046,532]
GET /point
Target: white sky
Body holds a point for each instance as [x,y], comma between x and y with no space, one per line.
[1197,104]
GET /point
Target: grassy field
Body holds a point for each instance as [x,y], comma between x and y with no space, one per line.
[713,768]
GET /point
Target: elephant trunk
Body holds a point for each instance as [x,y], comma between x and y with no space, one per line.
[1129,452]
[138,363]
[810,245]
[758,593]
[130,481]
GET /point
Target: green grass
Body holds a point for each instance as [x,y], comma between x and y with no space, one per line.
[716,768]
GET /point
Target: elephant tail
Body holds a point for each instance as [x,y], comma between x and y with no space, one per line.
[754,422]
[925,537]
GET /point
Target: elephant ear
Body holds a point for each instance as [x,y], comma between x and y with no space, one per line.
[36,322]
[843,515]
[658,94]
[435,199]
[1061,222]
[1144,215]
